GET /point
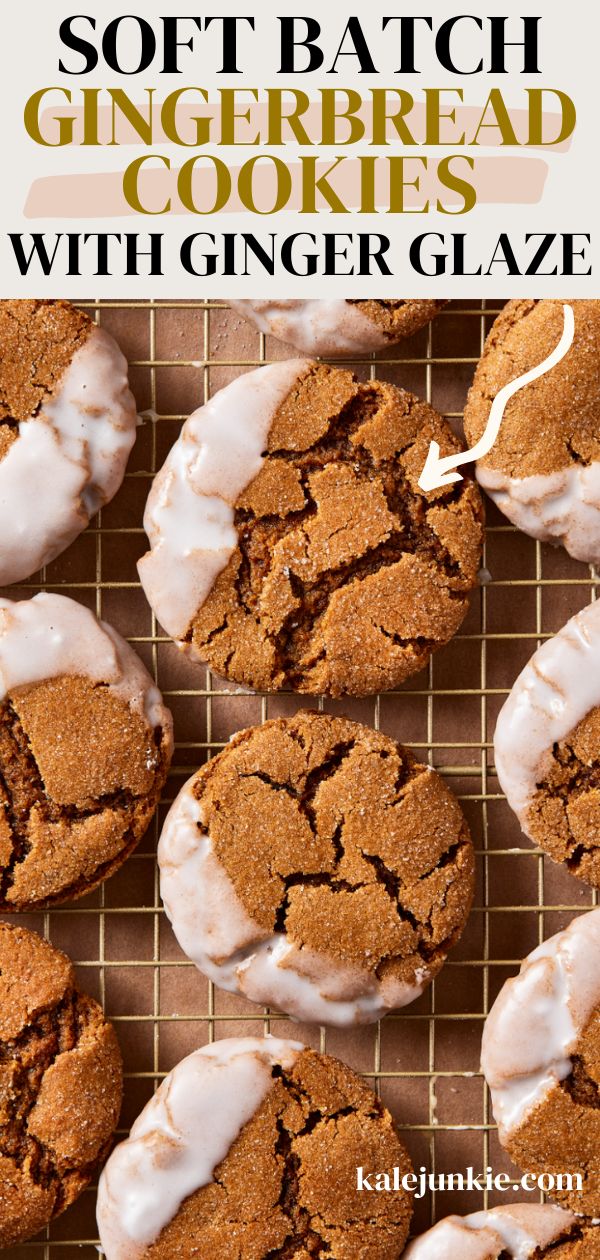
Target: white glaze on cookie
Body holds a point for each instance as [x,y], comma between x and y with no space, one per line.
[215,931]
[535,1024]
[557,689]
[319,326]
[518,1230]
[189,516]
[181,1136]
[50,635]
[561,507]
[68,460]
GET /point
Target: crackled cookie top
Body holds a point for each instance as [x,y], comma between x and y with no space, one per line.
[547,746]
[291,544]
[541,1059]
[315,866]
[85,744]
[60,1085]
[519,1232]
[544,468]
[249,1149]
[337,327]
[67,424]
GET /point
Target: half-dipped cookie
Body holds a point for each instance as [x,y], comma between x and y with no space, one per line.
[541,1059]
[523,1231]
[337,327]
[85,746]
[316,867]
[249,1150]
[291,545]
[543,471]
[67,425]
[61,1082]
[547,746]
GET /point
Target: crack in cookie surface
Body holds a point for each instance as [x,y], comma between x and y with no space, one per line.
[346,576]
[38,341]
[66,822]
[60,1085]
[337,836]
[288,1185]
[564,816]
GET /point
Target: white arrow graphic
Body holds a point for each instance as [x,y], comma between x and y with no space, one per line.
[440,472]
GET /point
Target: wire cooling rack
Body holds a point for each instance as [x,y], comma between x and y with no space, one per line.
[424,1061]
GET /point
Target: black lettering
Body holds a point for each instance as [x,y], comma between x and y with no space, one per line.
[289,43]
[373,253]
[38,252]
[359,48]
[230,33]
[443,40]
[504,253]
[172,42]
[71,40]
[134,253]
[529,44]
[147,42]
[570,253]
[547,242]
[415,255]
[407,40]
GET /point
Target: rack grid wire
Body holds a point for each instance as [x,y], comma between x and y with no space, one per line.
[424,1061]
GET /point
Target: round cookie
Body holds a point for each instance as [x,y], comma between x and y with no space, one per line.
[248,1150]
[547,746]
[544,469]
[518,1232]
[541,1059]
[315,866]
[67,425]
[60,1085]
[85,745]
[291,546]
[339,327]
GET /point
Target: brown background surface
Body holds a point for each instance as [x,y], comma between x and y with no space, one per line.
[425,1060]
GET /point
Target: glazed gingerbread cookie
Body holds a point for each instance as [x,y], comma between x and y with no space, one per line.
[523,1231]
[315,866]
[291,545]
[547,746]
[67,425]
[543,471]
[60,1085]
[541,1059]
[249,1150]
[85,745]
[337,327]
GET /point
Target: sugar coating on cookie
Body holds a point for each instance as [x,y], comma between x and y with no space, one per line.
[335,326]
[544,469]
[69,682]
[61,1085]
[315,866]
[251,1146]
[290,543]
[516,1232]
[547,746]
[540,1055]
[67,425]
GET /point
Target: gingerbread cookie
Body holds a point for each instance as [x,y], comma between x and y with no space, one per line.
[85,745]
[338,327]
[249,1150]
[60,1085]
[67,425]
[291,545]
[519,1232]
[544,469]
[315,866]
[541,1059]
[547,746]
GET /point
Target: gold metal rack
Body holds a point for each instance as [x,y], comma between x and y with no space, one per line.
[424,1060]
